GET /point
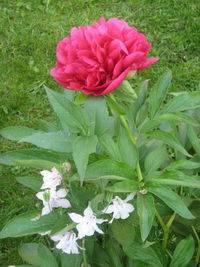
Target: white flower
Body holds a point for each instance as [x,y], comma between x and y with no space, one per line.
[51,178]
[53,199]
[87,224]
[45,233]
[67,242]
[120,208]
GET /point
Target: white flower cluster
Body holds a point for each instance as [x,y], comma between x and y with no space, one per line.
[50,197]
[86,225]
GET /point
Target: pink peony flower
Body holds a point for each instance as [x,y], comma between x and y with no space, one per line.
[96,59]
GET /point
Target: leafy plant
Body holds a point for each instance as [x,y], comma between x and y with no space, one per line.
[105,148]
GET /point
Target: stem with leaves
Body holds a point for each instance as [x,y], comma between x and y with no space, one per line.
[197,259]
[85,264]
[132,138]
[165,227]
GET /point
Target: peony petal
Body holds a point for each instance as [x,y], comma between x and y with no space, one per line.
[133,58]
[116,83]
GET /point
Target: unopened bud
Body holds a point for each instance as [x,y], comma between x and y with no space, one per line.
[127,89]
[46,195]
[143,191]
[67,166]
[131,74]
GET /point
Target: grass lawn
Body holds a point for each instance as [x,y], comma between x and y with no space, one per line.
[30,31]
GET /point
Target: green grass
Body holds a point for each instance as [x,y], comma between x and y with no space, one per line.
[30,31]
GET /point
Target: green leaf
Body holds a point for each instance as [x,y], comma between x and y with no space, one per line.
[141,114]
[183,253]
[144,256]
[34,183]
[71,116]
[170,198]
[56,141]
[183,164]
[111,248]
[110,146]
[174,117]
[37,254]
[29,253]
[24,224]
[169,140]
[36,163]
[194,140]
[97,112]
[125,93]
[71,260]
[107,167]
[179,117]
[155,158]
[17,132]
[11,158]
[123,187]
[80,99]
[83,147]
[140,100]
[47,126]
[115,106]
[159,92]
[60,224]
[124,230]
[146,213]
[182,102]
[46,258]
[175,177]
[100,258]
[128,151]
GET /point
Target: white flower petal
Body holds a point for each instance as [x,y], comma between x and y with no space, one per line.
[109,209]
[40,196]
[63,203]
[46,210]
[75,217]
[46,173]
[57,238]
[45,233]
[129,207]
[100,221]
[130,197]
[83,229]
[61,193]
[97,229]
[88,211]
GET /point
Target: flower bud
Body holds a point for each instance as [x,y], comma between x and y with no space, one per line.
[67,166]
[143,191]
[131,75]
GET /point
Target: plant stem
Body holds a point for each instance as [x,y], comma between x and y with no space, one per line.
[84,254]
[125,124]
[166,233]
[132,138]
[160,220]
[165,227]
[198,241]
